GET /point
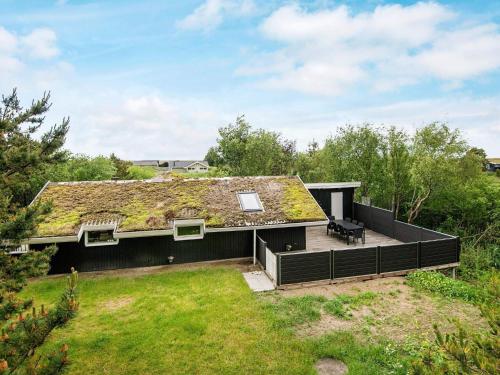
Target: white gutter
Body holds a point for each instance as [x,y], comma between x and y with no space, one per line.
[333,185]
[55,239]
[169,232]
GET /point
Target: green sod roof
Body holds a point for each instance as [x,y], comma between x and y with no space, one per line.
[154,204]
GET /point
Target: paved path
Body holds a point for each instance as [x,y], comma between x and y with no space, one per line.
[258,281]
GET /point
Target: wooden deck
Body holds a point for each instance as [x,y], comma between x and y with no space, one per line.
[317,240]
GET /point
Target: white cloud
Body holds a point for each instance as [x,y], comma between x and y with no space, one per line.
[211,14]
[328,51]
[40,43]
[144,126]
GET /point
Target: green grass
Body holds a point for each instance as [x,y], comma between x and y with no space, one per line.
[341,305]
[204,321]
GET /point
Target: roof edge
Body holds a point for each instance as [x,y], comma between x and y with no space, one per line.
[169,232]
[333,185]
[40,192]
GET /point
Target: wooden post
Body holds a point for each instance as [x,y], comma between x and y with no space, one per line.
[454,272]
[254,247]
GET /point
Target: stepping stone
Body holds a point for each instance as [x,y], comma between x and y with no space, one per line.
[330,366]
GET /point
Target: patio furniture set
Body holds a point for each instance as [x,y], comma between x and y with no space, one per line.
[346,228]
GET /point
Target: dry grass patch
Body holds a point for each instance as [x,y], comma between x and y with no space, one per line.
[398,312]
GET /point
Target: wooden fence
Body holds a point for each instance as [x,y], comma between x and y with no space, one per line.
[422,248]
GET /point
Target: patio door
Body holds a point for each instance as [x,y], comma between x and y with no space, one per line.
[338,205]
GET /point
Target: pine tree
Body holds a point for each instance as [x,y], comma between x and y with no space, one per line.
[23,151]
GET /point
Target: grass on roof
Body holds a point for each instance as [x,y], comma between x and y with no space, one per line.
[154,205]
[298,204]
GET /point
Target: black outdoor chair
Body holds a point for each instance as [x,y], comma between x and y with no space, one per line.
[362,225]
[331,225]
[354,221]
[347,218]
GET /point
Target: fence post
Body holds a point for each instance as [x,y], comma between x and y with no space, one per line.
[377,260]
[278,269]
[331,264]
[458,249]
[419,254]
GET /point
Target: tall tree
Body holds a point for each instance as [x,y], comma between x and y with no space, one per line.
[243,151]
[437,151]
[357,153]
[398,166]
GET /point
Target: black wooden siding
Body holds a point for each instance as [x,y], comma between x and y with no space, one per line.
[278,238]
[324,199]
[355,262]
[150,251]
[303,267]
[398,257]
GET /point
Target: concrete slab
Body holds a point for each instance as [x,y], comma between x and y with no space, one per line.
[258,281]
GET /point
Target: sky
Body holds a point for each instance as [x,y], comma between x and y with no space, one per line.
[156,79]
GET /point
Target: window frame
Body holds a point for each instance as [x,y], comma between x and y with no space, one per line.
[259,202]
[100,228]
[181,223]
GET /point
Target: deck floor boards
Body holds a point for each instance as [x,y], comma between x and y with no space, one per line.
[318,240]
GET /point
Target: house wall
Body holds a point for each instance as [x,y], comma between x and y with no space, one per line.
[278,238]
[150,251]
[324,199]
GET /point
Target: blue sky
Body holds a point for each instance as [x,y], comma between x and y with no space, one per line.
[155,79]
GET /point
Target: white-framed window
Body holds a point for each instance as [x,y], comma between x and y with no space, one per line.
[250,201]
[100,237]
[189,229]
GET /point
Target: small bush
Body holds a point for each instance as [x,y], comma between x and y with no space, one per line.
[440,284]
[135,172]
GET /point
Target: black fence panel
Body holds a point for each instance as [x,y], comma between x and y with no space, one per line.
[429,235]
[433,253]
[406,232]
[304,267]
[362,213]
[398,257]
[382,221]
[354,262]
[261,251]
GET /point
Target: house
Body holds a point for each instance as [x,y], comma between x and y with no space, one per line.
[101,225]
[492,164]
[183,166]
[146,163]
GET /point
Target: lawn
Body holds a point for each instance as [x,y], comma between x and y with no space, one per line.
[203,321]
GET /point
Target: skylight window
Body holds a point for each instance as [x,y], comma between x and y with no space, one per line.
[250,202]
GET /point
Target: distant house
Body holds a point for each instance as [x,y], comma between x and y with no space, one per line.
[493,164]
[146,163]
[184,166]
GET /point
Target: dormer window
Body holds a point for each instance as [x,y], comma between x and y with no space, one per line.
[189,229]
[98,234]
[100,237]
[250,201]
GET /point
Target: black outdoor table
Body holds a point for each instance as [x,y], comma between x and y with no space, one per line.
[350,227]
